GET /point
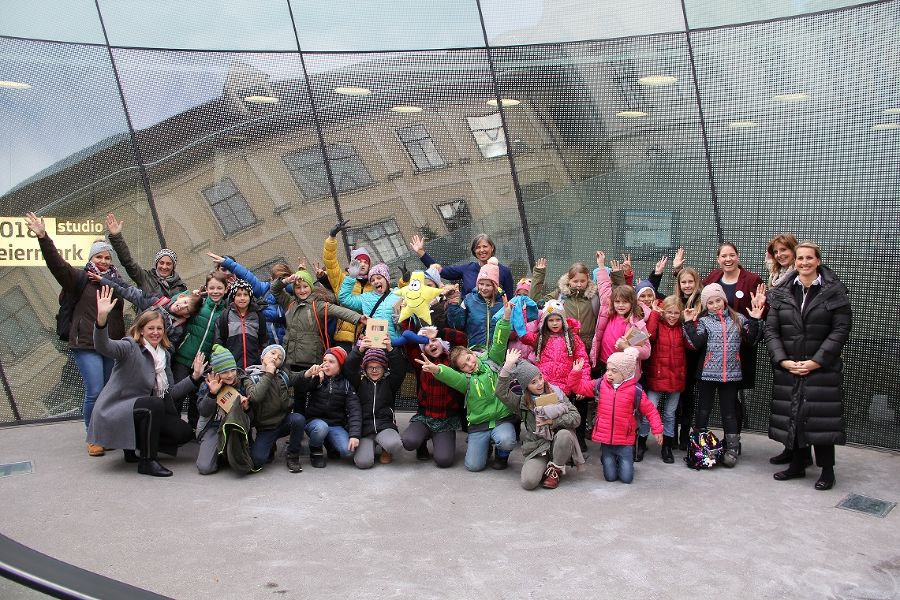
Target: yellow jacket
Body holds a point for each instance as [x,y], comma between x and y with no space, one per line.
[346,332]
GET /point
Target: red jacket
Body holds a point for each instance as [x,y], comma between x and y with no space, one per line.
[666,369]
[615,424]
[436,400]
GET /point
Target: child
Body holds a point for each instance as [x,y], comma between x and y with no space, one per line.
[361,260]
[241,328]
[474,314]
[377,376]
[489,419]
[665,372]
[270,392]
[619,315]
[377,303]
[223,435]
[549,441]
[618,393]
[719,332]
[577,292]
[332,408]
[687,289]
[646,295]
[439,406]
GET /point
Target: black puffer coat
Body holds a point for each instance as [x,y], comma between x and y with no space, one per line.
[808,409]
[376,398]
[332,400]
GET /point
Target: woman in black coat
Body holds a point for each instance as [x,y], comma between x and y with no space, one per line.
[808,324]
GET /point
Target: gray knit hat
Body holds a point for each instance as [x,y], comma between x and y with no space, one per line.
[525,371]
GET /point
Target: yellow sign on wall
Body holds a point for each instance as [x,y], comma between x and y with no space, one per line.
[72,237]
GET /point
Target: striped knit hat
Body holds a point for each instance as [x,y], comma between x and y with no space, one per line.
[221,360]
[375,355]
[166,252]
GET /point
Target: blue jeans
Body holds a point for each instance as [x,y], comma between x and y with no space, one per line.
[95,370]
[618,462]
[318,430]
[293,424]
[504,438]
[668,413]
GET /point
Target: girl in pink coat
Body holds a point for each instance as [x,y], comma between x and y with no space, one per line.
[557,346]
[617,394]
[619,314]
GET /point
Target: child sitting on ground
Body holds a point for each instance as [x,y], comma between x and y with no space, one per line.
[224,436]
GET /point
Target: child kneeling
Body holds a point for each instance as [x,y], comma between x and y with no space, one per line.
[549,441]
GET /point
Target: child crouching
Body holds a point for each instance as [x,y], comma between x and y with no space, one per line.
[549,441]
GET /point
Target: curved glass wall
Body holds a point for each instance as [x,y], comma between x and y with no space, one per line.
[558,127]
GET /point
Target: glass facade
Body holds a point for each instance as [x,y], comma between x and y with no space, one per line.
[557,127]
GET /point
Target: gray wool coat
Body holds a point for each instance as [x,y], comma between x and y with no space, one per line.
[112,422]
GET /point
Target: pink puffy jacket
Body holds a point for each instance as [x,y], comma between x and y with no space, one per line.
[615,422]
[555,363]
[609,329]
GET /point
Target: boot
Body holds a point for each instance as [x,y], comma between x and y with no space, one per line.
[551,476]
[666,452]
[317,457]
[386,458]
[733,449]
[148,466]
[784,458]
[684,437]
[293,463]
[422,452]
[641,448]
[131,456]
[500,462]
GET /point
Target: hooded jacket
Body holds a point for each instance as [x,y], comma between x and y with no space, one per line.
[262,291]
[556,358]
[474,316]
[532,443]
[721,339]
[366,302]
[615,424]
[346,331]
[334,401]
[244,336]
[582,306]
[271,396]
[666,369]
[609,329]
[376,398]
[199,331]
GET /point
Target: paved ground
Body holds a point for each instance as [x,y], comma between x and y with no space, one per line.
[410,530]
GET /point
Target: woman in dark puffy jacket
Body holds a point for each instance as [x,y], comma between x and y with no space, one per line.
[808,324]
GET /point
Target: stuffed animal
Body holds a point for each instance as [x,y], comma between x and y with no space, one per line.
[417,297]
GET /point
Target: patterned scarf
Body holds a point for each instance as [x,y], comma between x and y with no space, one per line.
[110,273]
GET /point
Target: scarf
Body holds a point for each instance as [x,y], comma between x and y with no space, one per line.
[159,368]
[110,273]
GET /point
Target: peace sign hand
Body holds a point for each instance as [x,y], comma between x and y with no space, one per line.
[428,366]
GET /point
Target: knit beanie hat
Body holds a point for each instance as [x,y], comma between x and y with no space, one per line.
[166,252]
[239,284]
[360,254]
[431,332]
[221,360]
[339,353]
[434,274]
[713,290]
[271,347]
[551,308]
[98,247]
[625,361]
[524,372]
[380,269]
[307,277]
[642,286]
[375,355]
[524,284]
[491,272]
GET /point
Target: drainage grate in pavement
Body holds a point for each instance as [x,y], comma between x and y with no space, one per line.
[867,505]
[19,468]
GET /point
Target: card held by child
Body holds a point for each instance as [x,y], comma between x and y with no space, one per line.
[227,397]
[546,399]
[377,332]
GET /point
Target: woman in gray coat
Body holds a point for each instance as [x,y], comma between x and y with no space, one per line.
[136,408]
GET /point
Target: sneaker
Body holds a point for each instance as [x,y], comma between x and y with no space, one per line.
[386,458]
[500,463]
[422,453]
[96,450]
[551,477]
[293,463]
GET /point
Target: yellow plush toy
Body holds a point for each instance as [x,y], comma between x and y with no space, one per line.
[417,297]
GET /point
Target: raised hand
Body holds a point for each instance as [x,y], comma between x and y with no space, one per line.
[690,314]
[353,269]
[626,263]
[364,343]
[216,258]
[198,366]
[541,263]
[512,357]
[214,383]
[615,265]
[578,365]
[339,226]
[601,258]
[114,225]
[507,310]
[36,224]
[417,243]
[301,263]
[105,304]
[678,261]
[661,265]
[404,272]
[428,366]
[320,270]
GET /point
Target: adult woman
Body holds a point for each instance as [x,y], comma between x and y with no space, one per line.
[136,408]
[95,369]
[161,279]
[808,324]
[483,248]
[780,254]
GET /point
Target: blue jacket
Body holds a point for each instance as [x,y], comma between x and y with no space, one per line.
[720,338]
[365,302]
[468,273]
[474,317]
[272,311]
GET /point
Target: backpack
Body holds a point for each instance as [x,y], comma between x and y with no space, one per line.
[67,304]
[704,450]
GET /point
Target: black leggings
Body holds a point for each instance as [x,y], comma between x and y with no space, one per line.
[154,426]
[728,397]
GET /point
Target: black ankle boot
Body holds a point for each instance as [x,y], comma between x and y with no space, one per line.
[147,466]
[131,456]
[666,451]
[317,457]
[783,458]
[422,452]
[641,448]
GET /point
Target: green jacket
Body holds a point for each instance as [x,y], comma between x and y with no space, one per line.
[482,404]
[199,331]
[271,397]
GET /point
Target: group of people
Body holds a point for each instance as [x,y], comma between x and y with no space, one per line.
[322,353]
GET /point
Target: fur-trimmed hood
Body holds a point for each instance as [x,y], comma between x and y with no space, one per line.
[565,290]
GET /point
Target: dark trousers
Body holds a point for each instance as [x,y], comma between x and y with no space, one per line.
[728,395]
[157,427]
[443,443]
[824,454]
[299,393]
[582,406]
[179,372]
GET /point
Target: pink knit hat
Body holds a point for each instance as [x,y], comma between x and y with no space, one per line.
[524,284]
[491,272]
[625,362]
[380,269]
[713,290]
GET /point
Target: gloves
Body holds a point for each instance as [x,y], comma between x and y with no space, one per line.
[404,272]
[353,269]
[339,226]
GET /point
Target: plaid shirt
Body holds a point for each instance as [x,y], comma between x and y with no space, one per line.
[436,400]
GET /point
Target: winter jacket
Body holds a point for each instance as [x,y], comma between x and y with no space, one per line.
[133,376]
[271,396]
[436,400]
[272,311]
[332,400]
[199,332]
[468,273]
[808,409]
[244,336]
[346,331]
[615,424]
[582,306]
[483,408]
[522,403]
[174,325]
[555,361]
[474,316]
[376,398]
[666,369]
[307,336]
[366,303]
[84,315]
[146,279]
[609,329]
[722,341]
